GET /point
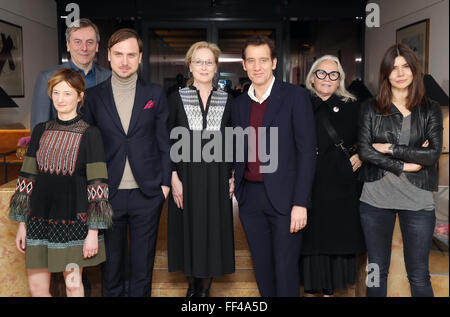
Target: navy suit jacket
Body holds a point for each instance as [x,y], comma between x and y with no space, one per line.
[42,108]
[289,109]
[147,142]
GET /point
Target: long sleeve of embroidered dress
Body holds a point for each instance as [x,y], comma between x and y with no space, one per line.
[99,213]
[19,206]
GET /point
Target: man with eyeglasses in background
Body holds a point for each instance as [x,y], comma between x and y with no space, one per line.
[82,40]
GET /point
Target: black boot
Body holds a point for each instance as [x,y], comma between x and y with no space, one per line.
[205,284]
[192,290]
[204,292]
[86,284]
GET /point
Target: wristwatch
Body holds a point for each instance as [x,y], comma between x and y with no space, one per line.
[391,149]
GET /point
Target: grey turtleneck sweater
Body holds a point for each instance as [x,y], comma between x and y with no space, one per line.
[124,91]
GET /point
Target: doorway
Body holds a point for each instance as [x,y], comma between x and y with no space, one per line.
[165,46]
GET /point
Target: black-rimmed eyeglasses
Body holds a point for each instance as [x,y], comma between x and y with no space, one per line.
[321,74]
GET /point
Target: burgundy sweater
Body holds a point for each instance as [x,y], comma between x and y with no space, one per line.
[257,112]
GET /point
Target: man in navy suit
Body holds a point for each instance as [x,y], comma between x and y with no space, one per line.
[132,117]
[82,40]
[272,205]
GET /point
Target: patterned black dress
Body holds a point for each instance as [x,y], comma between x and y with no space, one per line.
[61,193]
[200,237]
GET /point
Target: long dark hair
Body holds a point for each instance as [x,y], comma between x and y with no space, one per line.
[416,90]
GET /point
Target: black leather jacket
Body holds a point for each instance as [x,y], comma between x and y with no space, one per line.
[426,124]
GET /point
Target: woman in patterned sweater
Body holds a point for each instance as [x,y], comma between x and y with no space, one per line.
[61,198]
[200,219]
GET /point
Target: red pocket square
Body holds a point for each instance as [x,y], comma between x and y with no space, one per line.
[149,104]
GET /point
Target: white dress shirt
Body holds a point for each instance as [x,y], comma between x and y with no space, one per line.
[251,92]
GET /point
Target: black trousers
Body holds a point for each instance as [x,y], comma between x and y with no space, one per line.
[141,214]
[275,251]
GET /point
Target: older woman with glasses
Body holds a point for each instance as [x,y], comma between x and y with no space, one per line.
[200,235]
[333,235]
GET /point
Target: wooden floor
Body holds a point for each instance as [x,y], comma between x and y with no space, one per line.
[242,282]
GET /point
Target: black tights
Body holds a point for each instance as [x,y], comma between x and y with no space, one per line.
[204,283]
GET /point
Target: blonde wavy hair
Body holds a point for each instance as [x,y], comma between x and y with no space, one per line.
[341,91]
[194,47]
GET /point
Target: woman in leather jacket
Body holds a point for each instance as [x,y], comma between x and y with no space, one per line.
[400,141]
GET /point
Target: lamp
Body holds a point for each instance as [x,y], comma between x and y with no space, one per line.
[6,101]
[434,91]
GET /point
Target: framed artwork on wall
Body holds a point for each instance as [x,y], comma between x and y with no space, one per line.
[11,59]
[416,36]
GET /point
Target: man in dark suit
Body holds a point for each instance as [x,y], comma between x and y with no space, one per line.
[82,41]
[132,117]
[272,204]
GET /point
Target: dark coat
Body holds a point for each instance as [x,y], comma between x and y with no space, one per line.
[147,142]
[333,221]
[288,110]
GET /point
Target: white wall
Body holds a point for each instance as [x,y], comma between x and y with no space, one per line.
[395,14]
[40,48]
